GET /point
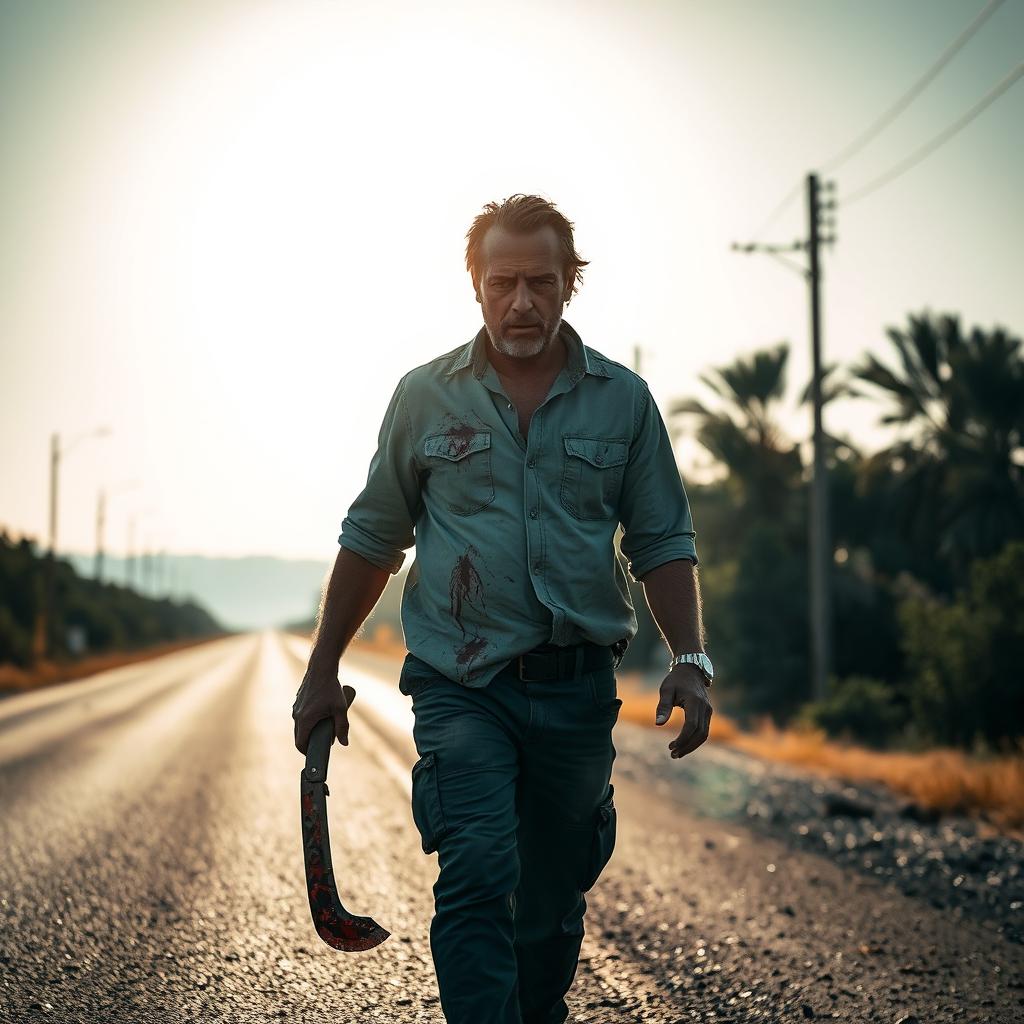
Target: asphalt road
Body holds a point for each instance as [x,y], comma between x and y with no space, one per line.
[151,871]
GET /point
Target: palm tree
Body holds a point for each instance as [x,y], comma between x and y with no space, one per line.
[742,433]
[956,473]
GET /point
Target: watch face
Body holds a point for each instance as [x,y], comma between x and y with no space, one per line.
[705,664]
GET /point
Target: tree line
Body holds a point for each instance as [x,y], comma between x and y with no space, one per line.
[104,617]
[927,536]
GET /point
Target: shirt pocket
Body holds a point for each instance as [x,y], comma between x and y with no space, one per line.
[592,475]
[460,470]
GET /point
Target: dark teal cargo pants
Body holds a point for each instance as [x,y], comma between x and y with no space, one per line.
[512,790]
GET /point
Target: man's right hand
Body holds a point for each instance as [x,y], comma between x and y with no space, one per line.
[320,696]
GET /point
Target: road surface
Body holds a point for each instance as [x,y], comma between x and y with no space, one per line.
[151,871]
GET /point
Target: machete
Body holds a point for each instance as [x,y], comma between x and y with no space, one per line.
[333,923]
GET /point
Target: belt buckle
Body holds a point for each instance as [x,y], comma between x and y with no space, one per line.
[521,666]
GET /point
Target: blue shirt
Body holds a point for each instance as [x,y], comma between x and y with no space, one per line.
[515,539]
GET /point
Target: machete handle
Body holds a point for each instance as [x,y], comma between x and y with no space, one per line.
[318,750]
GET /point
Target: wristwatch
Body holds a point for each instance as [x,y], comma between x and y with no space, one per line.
[702,661]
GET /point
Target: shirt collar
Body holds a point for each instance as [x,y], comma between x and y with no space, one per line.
[474,353]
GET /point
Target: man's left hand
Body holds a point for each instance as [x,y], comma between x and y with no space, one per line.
[685,687]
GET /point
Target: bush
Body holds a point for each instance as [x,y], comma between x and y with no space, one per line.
[966,657]
[858,708]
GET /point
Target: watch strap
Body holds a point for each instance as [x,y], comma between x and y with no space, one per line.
[696,659]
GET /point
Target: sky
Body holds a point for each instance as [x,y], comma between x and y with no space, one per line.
[228,229]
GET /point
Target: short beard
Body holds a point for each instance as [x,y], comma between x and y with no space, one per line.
[517,348]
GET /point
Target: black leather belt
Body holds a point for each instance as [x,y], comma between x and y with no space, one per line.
[549,661]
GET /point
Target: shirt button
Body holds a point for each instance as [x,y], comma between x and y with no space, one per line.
[599,459]
[531,463]
[536,566]
[533,513]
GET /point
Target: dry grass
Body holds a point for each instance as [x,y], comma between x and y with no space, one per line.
[940,780]
[49,672]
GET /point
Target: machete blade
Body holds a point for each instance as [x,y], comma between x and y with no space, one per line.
[333,923]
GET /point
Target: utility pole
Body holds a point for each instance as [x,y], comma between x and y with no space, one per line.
[54,481]
[102,500]
[820,567]
[45,631]
[101,515]
[45,635]
[137,575]
[818,513]
[130,560]
[148,567]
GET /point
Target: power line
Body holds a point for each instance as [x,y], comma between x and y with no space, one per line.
[944,136]
[914,91]
[886,118]
[783,205]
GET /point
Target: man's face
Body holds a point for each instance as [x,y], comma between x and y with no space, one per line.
[522,289]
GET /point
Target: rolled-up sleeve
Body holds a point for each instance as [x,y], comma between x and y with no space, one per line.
[654,510]
[380,523]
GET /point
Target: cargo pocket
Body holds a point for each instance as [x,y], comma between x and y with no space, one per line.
[603,841]
[427,811]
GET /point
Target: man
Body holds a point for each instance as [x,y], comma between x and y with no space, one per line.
[510,461]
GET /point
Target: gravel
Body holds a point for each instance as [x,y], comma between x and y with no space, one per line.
[950,862]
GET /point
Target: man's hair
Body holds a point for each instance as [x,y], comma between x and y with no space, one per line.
[523,214]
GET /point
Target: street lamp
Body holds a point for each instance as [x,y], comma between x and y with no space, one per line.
[56,454]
